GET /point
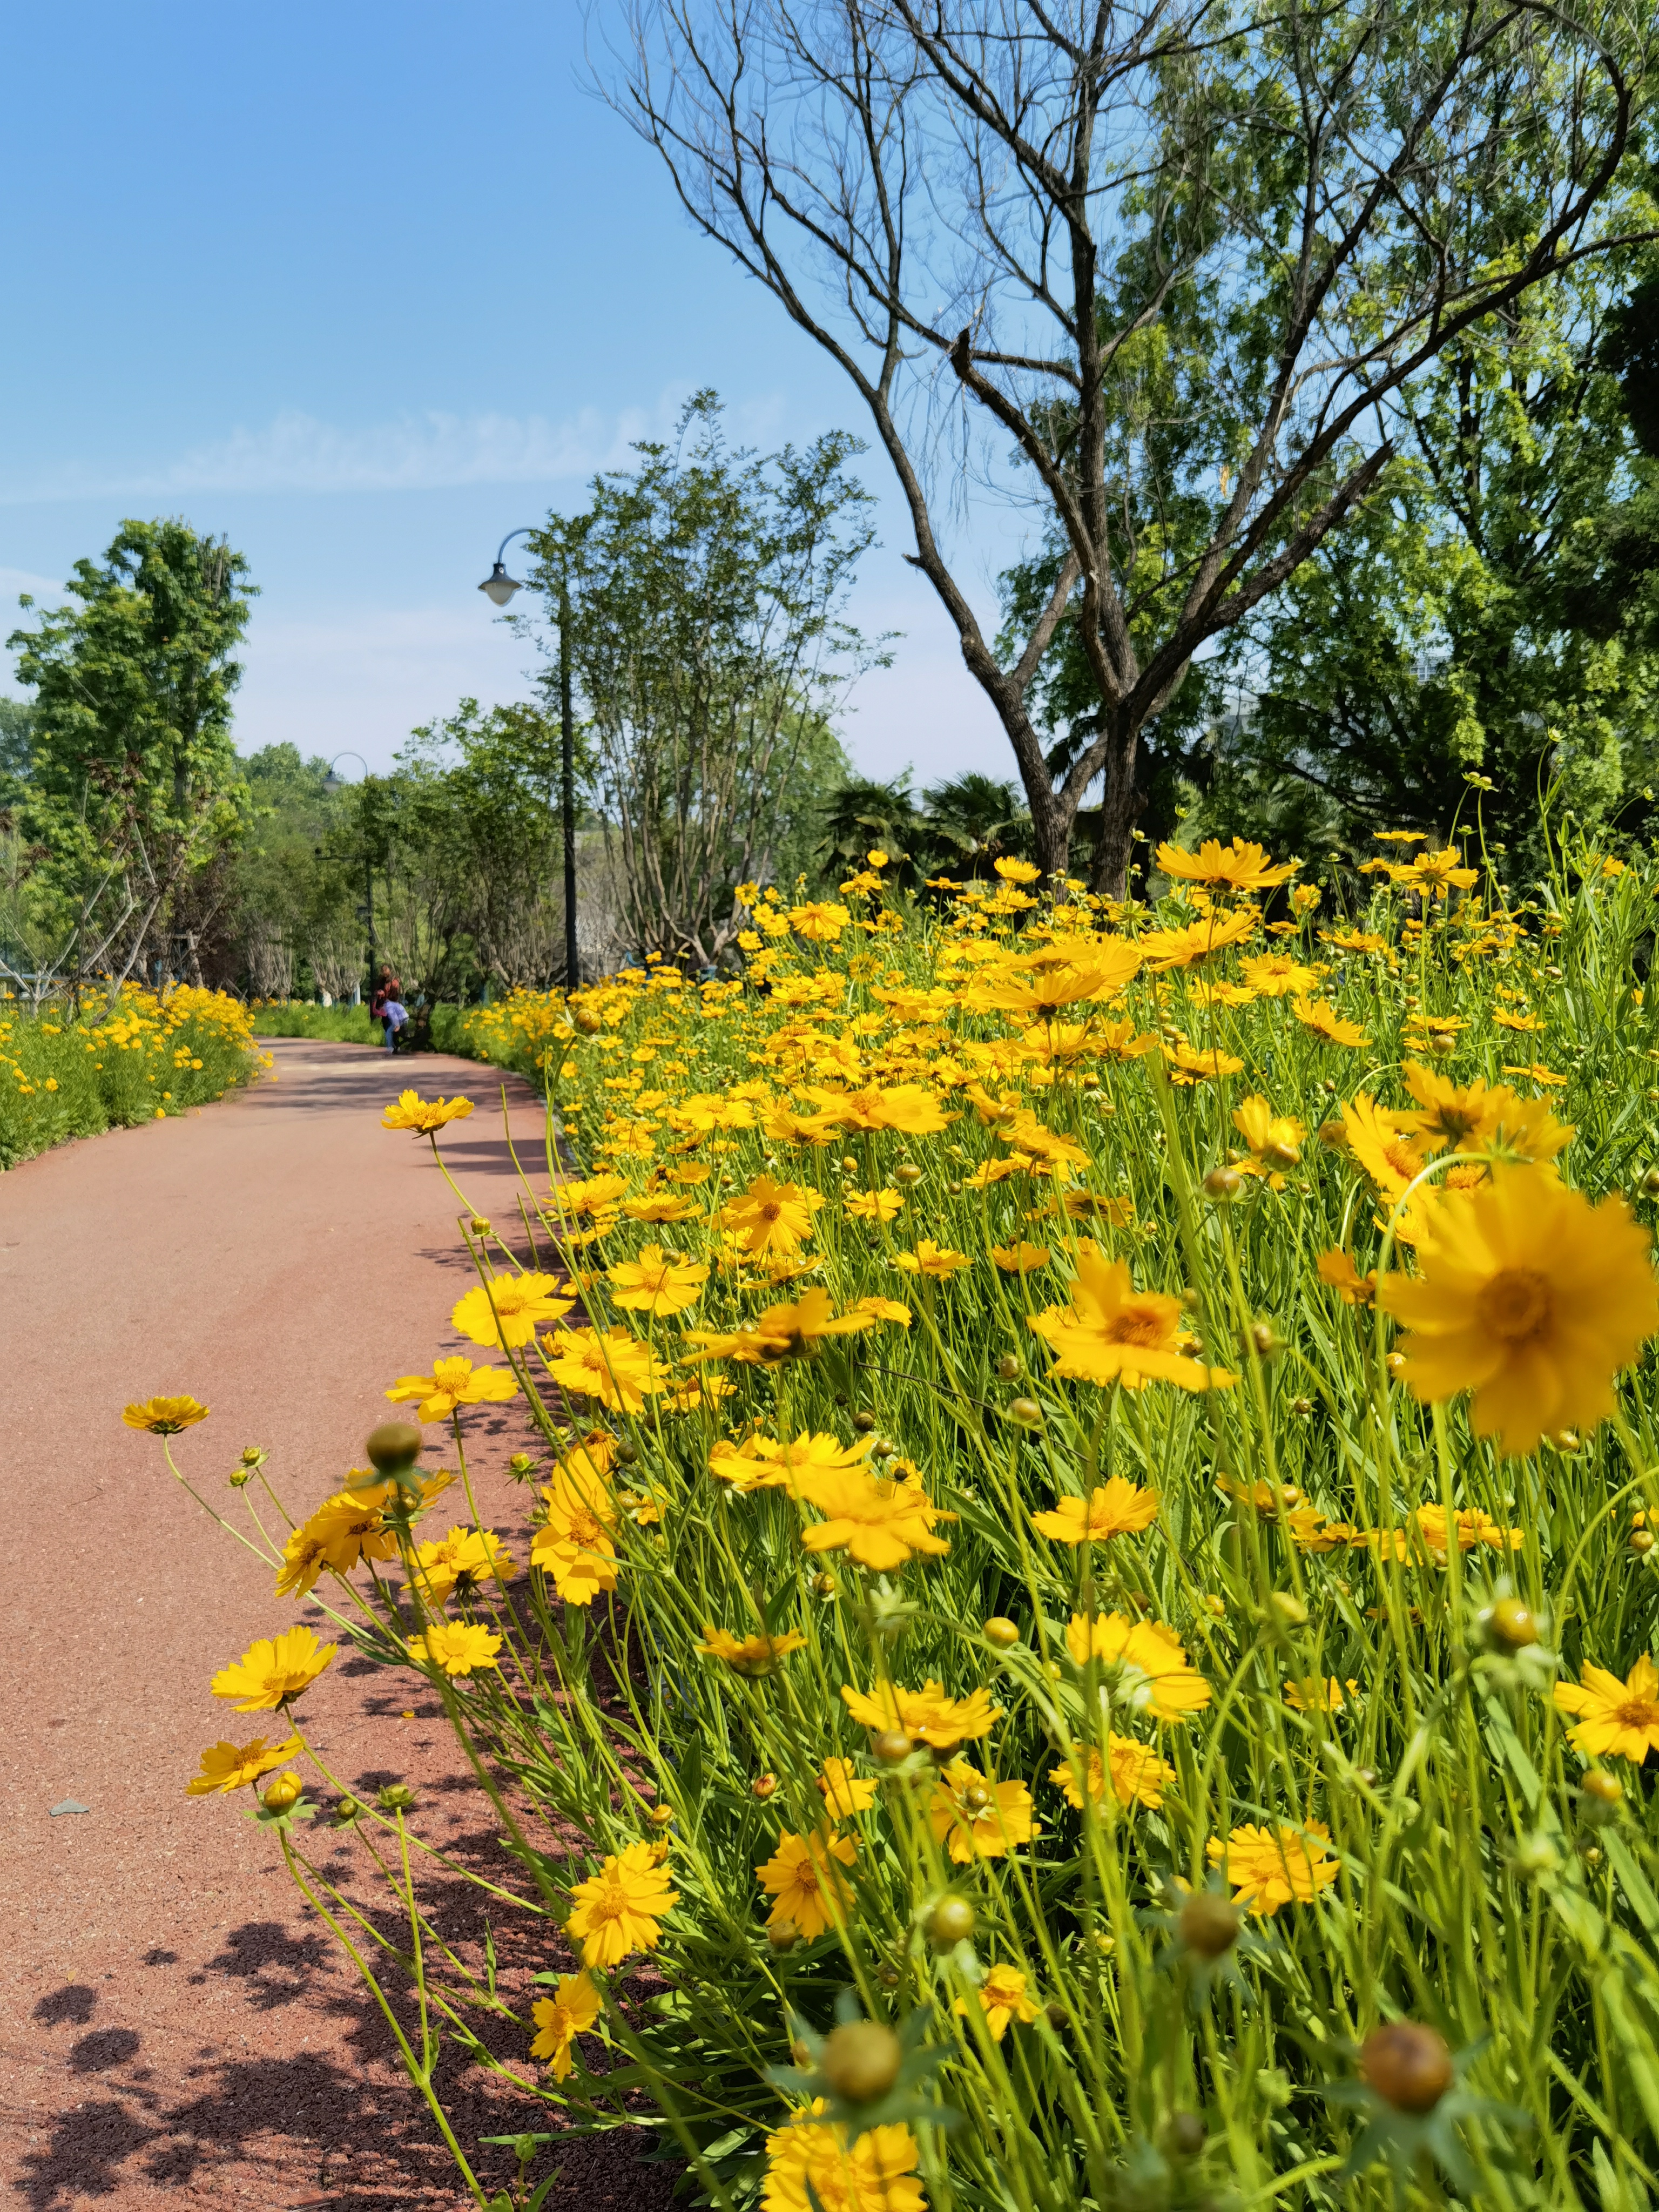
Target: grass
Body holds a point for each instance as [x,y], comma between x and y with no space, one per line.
[1303,1780]
[301,1017]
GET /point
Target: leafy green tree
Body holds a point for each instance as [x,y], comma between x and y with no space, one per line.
[133,786]
[705,592]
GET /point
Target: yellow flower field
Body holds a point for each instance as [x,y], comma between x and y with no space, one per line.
[1089,1589]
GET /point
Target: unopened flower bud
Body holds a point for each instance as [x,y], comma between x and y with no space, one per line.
[1059,2018]
[1186,2136]
[864,1423]
[1601,1788]
[1207,1924]
[1223,1183]
[251,1455]
[1026,1412]
[764,1786]
[393,1445]
[283,1792]
[824,1585]
[346,1812]
[1408,2066]
[626,1453]
[1651,1183]
[950,1923]
[1001,1631]
[1264,1339]
[1008,1368]
[661,1815]
[1509,1625]
[479,1226]
[848,1165]
[907,1173]
[1289,1609]
[396,1797]
[1641,1540]
[783,1935]
[891,1747]
[861,2061]
[1396,1364]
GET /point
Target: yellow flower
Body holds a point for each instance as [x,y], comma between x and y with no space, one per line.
[620,1909]
[1016,871]
[1337,1269]
[1470,1527]
[1530,1297]
[1021,1259]
[658,1206]
[977,1818]
[1378,1141]
[424,1115]
[509,1309]
[455,1647]
[1138,1775]
[342,1531]
[752,1657]
[1236,867]
[1313,1696]
[1326,1024]
[926,1715]
[165,1417]
[1164,949]
[1117,1508]
[1275,1140]
[771,1217]
[1187,1066]
[931,1259]
[879,1521]
[844,1793]
[656,1283]
[790,1331]
[574,1543]
[1111,1333]
[1003,1996]
[1434,874]
[803,1877]
[1615,1719]
[1144,1663]
[461,1561]
[273,1672]
[570,2011]
[905,1107]
[1278,975]
[811,2167]
[759,1463]
[608,1364]
[1061,975]
[454,1384]
[818,920]
[1271,1867]
[227,1766]
[873,1205]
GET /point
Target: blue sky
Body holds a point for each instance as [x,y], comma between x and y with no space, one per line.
[366,287]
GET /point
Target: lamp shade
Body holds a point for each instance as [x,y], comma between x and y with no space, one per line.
[498,586]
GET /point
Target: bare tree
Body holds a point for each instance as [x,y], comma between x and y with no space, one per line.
[990,212]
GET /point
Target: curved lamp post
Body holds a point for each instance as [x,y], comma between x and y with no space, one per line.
[498,588]
[331,783]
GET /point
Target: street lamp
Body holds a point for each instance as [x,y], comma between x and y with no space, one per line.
[499,587]
[331,783]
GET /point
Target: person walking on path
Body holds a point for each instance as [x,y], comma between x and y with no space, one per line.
[388,993]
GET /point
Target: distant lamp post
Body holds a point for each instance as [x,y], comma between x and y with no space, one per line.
[499,587]
[331,783]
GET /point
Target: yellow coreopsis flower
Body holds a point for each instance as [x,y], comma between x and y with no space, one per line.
[572,2009]
[1116,1508]
[510,1309]
[1274,1140]
[1528,1297]
[977,1819]
[454,1384]
[1271,1867]
[424,1115]
[1004,1996]
[818,920]
[1618,1720]
[165,1417]
[804,1880]
[574,1544]
[462,1560]
[608,1364]
[1236,867]
[1278,975]
[790,1331]
[812,2167]
[771,1217]
[1315,1696]
[274,1671]
[342,1531]
[752,1657]
[844,1792]
[1136,1773]
[1144,1663]
[657,1282]
[873,1205]
[1021,1259]
[620,1909]
[880,1522]
[1337,1269]
[905,1107]
[227,1766]
[1326,1024]
[931,1259]
[1112,1334]
[455,1647]
[1435,874]
[1379,1142]
[1165,949]
[926,1715]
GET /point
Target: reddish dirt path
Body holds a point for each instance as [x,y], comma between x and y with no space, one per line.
[173,2022]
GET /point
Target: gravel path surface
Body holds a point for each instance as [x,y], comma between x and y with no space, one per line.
[174,2024]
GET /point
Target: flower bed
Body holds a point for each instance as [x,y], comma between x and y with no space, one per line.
[1089,1589]
[64,1074]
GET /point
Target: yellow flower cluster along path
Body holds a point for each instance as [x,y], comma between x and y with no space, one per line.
[177,2029]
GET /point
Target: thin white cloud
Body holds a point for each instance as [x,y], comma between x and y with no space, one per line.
[418,452]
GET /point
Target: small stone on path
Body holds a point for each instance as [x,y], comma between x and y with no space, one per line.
[68,1805]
